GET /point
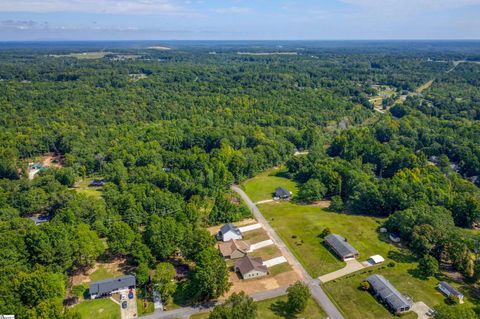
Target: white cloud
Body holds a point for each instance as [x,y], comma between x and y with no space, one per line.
[93,6]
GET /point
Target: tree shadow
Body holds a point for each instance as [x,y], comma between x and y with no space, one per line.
[281,309]
[416,273]
[401,256]
[283,174]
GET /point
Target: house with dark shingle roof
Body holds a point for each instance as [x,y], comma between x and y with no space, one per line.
[387,293]
[107,287]
[341,247]
[234,249]
[282,193]
[448,290]
[229,232]
[251,267]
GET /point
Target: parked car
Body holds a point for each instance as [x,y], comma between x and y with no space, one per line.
[130,295]
[124,305]
[122,296]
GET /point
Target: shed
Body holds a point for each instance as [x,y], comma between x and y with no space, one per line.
[386,292]
[376,259]
[448,290]
[251,267]
[282,193]
[229,232]
[107,287]
[341,247]
[97,183]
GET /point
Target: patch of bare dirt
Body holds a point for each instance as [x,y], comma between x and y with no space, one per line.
[321,203]
[116,265]
[52,160]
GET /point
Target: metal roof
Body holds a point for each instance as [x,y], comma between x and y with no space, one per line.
[229,227]
[340,245]
[282,192]
[388,292]
[106,286]
[450,289]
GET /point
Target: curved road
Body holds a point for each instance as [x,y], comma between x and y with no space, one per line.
[317,292]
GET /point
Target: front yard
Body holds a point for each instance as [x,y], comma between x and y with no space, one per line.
[262,186]
[99,309]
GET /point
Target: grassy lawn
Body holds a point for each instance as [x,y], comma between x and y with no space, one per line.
[103,273]
[82,187]
[267,252]
[255,236]
[262,186]
[98,309]
[356,303]
[300,225]
[275,309]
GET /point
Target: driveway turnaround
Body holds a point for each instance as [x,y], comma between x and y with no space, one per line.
[245,229]
[353,265]
[421,309]
[275,261]
[261,244]
[317,292]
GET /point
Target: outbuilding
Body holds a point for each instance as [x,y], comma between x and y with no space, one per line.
[107,287]
[387,293]
[376,259]
[341,247]
[229,232]
[251,267]
[449,291]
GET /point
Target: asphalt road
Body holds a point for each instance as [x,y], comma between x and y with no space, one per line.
[317,292]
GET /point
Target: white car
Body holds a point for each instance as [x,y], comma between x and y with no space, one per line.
[123,296]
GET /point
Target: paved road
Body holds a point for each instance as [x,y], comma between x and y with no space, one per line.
[186,312]
[317,292]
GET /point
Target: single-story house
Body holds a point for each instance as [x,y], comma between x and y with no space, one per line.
[40,219]
[107,287]
[341,247]
[376,259]
[448,290]
[229,232]
[251,267]
[387,293]
[97,183]
[394,237]
[234,249]
[282,193]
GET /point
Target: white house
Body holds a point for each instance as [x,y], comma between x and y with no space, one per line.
[229,232]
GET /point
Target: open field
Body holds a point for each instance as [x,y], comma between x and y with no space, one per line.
[82,187]
[275,309]
[83,55]
[262,186]
[300,225]
[103,273]
[99,309]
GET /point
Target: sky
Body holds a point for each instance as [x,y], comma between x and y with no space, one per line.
[238,19]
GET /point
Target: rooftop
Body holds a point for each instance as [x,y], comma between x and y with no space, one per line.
[282,192]
[450,289]
[229,227]
[106,286]
[227,248]
[388,292]
[340,245]
[247,264]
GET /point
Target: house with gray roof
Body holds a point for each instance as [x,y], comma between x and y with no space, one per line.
[109,286]
[384,291]
[229,232]
[282,193]
[449,291]
[341,247]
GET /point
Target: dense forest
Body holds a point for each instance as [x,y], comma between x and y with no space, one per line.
[170,131]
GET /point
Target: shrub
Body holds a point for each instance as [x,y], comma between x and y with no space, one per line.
[365,285]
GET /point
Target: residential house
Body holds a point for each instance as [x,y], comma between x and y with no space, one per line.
[229,232]
[234,249]
[387,293]
[282,193]
[107,287]
[97,183]
[251,267]
[448,290]
[341,247]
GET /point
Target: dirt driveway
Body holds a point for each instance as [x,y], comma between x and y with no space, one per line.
[421,309]
[262,284]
